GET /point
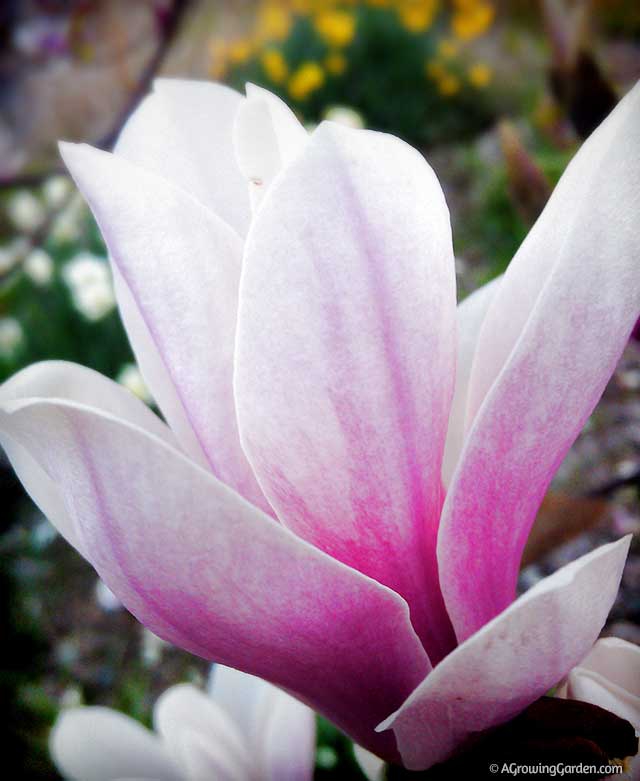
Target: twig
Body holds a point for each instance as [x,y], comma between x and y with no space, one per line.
[614,485]
[171,24]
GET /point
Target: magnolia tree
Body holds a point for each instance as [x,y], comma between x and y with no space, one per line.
[349,465]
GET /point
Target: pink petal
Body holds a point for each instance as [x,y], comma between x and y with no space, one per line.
[470,314]
[209,572]
[100,744]
[72,382]
[177,270]
[549,344]
[183,131]
[511,661]
[345,351]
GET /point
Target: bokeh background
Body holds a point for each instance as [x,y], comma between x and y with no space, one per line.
[497,95]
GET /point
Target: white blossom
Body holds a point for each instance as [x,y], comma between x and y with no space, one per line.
[89,280]
[25,211]
[11,335]
[344,115]
[56,190]
[11,253]
[38,266]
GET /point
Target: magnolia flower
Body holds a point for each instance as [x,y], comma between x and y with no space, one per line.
[245,730]
[349,469]
[609,677]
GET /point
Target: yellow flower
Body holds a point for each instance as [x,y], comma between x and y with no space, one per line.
[546,114]
[472,22]
[417,17]
[336,27]
[448,84]
[335,63]
[447,48]
[480,74]
[218,66]
[435,69]
[240,51]
[308,78]
[274,22]
[275,65]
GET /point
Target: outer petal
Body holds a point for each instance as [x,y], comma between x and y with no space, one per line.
[470,314]
[288,745]
[548,346]
[511,661]
[209,572]
[178,269]
[100,744]
[345,350]
[183,131]
[62,380]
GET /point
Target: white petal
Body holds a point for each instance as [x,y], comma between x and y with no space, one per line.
[238,694]
[371,765]
[290,134]
[185,708]
[287,738]
[256,148]
[183,131]
[100,744]
[206,761]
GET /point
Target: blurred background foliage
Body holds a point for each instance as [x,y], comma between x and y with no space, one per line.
[405,66]
[497,95]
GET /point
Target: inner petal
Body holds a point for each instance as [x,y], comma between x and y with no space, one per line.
[256,147]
